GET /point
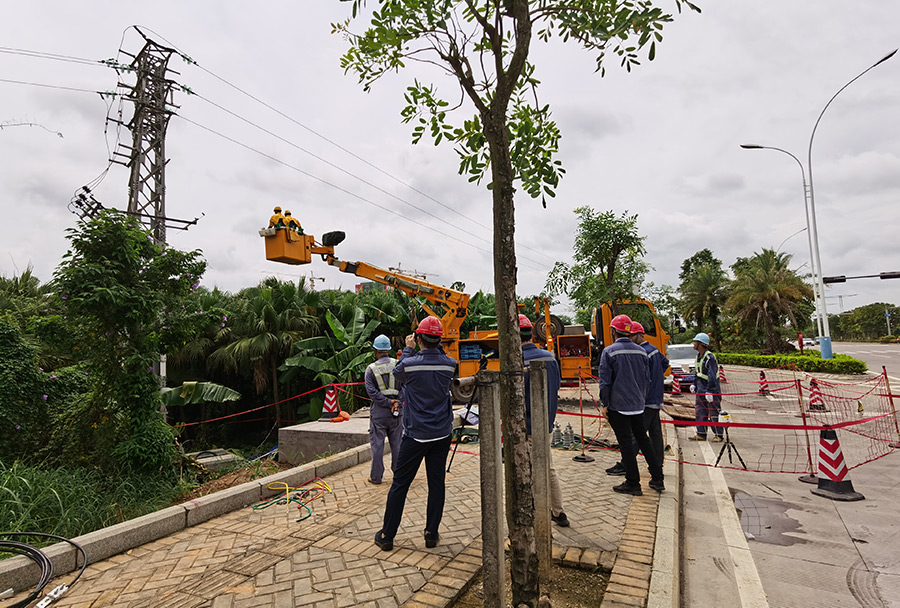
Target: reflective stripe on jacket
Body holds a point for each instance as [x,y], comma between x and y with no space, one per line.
[658,365]
[707,374]
[425,377]
[624,375]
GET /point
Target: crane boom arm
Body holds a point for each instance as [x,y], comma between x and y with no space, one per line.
[454,304]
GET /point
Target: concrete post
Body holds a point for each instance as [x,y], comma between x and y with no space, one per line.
[540,466]
[492,514]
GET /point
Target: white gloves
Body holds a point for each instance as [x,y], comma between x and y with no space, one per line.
[709,398]
[693,389]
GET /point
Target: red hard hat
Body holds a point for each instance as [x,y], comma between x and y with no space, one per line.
[524,322]
[636,328]
[621,323]
[430,326]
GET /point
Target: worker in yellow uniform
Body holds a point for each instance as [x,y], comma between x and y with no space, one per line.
[291,223]
[277,220]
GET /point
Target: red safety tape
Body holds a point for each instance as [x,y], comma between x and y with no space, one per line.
[798,427]
[184,424]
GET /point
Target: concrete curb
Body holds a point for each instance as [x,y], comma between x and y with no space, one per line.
[665,580]
[21,573]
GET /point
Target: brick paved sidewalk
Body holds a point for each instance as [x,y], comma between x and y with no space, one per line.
[249,558]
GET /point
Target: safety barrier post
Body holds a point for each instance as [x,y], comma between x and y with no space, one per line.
[540,466]
[811,478]
[582,457]
[887,385]
[492,514]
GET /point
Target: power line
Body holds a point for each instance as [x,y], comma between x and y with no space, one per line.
[327,183]
[333,165]
[102,94]
[190,61]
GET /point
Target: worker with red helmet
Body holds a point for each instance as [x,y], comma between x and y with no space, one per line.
[624,380]
[424,378]
[658,366]
[531,352]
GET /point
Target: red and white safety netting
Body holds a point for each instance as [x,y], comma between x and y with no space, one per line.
[773,418]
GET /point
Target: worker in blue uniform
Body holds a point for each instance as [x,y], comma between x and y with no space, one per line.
[708,400]
[624,379]
[531,352]
[385,413]
[658,366]
[424,378]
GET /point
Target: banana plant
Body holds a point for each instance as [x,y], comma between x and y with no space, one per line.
[339,356]
[191,393]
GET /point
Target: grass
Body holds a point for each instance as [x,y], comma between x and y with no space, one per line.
[71,502]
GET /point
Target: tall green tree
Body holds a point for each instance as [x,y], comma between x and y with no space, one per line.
[703,296]
[766,293]
[511,140]
[608,254]
[866,322]
[126,301]
[267,320]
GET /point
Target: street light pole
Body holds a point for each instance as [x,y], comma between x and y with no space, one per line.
[825,341]
[822,311]
[813,265]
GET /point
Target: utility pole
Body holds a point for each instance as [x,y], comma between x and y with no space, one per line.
[152,99]
[887,316]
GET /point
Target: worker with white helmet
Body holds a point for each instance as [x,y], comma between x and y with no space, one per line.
[708,400]
[424,377]
[385,414]
[624,381]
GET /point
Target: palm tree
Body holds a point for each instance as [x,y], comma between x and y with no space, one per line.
[766,291]
[703,295]
[267,321]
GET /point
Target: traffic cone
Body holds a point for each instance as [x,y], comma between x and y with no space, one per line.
[763,383]
[722,377]
[331,408]
[834,480]
[816,403]
[676,385]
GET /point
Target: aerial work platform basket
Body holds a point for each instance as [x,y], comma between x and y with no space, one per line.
[287,246]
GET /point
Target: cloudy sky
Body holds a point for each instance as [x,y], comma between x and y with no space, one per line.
[661,141]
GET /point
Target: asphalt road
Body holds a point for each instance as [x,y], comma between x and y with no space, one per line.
[875,355]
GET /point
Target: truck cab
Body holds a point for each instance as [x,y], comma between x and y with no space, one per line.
[641,311]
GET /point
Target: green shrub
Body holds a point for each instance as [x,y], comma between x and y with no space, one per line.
[809,361]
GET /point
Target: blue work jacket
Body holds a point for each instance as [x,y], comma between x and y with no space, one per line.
[425,380]
[531,352]
[709,367]
[658,366]
[624,375]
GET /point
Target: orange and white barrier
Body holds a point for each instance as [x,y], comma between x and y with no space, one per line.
[834,476]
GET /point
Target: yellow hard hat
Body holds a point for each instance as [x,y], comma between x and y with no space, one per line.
[287,212]
[277,209]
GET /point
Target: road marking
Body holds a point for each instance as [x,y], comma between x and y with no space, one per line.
[749,586]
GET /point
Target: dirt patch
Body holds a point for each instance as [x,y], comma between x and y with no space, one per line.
[568,588]
[235,478]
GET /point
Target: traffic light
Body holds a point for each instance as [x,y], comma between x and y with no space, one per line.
[838,279]
[890,275]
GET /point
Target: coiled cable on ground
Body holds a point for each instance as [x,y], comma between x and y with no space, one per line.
[300,495]
[43,562]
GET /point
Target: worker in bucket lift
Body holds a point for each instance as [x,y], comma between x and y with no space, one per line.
[385,414]
[708,400]
[624,380]
[424,378]
[531,352]
[658,366]
[277,220]
[291,223]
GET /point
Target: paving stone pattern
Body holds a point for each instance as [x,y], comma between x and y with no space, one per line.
[267,559]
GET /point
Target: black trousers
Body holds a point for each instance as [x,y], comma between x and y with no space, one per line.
[411,455]
[630,433]
[654,432]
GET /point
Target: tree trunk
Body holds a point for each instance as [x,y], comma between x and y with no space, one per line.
[517,448]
